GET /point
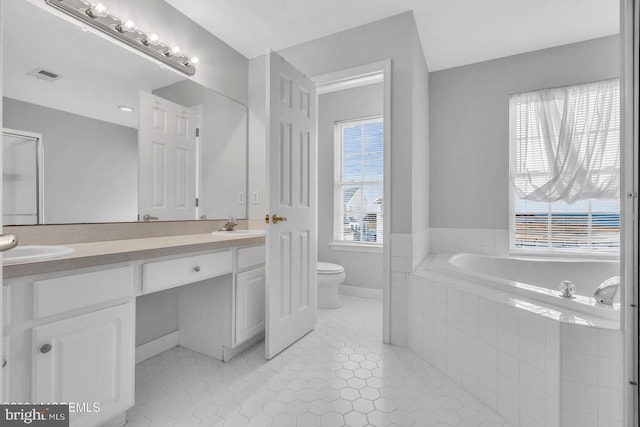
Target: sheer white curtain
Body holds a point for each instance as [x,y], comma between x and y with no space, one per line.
[567,143]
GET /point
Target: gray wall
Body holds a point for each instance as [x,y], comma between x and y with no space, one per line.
[156,315]
[90,166]
[362,269]
[257,138]
[420,141]
[390,38]
[469,112]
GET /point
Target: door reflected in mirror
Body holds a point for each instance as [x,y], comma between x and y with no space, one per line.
[78,93]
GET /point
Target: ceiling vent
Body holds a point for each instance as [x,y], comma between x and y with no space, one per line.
[41,74]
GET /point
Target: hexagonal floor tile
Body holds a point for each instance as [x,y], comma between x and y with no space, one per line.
[340,374]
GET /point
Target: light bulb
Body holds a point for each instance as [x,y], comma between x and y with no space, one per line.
[126,26]
[98,10]
[126,108]
[173,51]
[152,39]
[191,62]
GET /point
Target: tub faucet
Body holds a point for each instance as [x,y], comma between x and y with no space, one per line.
[607,290]
[230,225]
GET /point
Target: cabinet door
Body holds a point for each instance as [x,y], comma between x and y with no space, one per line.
[84,360]
[249,304]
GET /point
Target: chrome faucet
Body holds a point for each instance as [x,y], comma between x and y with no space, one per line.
[607,290]
[230,225]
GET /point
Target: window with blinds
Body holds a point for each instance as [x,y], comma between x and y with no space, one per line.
[587,226]
[359,181]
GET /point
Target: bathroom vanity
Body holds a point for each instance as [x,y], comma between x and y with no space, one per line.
[69,323]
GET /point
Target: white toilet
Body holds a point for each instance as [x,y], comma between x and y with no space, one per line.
[329,277]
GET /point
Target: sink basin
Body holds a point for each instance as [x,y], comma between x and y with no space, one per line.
[35,253]
[245,233]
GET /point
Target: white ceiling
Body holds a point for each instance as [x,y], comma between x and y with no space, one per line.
[453,32]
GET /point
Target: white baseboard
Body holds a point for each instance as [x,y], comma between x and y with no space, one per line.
[157,346]
[357,291]
[230,353]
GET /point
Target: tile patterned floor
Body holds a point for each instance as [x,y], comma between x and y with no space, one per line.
[339,375]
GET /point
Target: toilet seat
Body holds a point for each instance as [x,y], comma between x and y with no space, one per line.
[328,268]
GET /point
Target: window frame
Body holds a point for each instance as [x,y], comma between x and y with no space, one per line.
[347,245]
[548,252]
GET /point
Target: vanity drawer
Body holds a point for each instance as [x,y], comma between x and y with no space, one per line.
[67,293]
[161,275]
[249,257]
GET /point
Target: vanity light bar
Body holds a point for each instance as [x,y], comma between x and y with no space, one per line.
[97,16]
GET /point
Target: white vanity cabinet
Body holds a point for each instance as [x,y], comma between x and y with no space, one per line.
[249,294]
[70,338]
[224,315]
[249,304]
[87,360]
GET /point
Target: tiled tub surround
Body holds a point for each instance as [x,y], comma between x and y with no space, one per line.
[534,363]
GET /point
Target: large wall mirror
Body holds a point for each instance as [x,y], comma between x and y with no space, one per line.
[73,142]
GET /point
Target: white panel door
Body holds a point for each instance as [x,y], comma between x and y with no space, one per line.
[167,160]
[291,178]
[87,358]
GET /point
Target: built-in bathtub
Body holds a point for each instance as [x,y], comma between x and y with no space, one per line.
[499,327]
[533,280]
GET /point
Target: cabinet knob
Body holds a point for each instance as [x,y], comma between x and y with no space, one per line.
[196,268]
[4,362]
[46,348]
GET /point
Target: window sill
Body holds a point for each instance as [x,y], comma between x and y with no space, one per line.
[356,247]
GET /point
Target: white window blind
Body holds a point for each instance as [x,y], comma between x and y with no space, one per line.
[359,181]
[550,216]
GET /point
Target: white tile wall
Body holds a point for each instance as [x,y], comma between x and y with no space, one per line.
[420,247]
[401,267]
[592,377]
[408,251]
[532,370]
[483,241]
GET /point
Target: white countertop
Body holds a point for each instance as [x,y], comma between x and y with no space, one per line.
[114,251]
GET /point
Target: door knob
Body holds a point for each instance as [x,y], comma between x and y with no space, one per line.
[8,241]
[148,218]
[46,348]
[276,219]
[266,219]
